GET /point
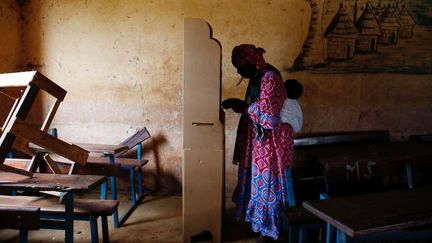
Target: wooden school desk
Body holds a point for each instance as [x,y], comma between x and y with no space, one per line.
[368,159]
[54,182]
[377,215]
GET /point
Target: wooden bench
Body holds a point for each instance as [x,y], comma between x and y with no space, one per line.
[20,218]
[84,209]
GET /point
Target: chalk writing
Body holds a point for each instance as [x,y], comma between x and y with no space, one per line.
[354,170]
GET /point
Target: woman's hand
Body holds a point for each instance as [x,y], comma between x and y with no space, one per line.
[237,105]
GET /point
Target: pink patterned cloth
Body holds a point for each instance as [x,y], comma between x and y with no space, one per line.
[261,190]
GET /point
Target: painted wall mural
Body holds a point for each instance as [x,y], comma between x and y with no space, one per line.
[374,36]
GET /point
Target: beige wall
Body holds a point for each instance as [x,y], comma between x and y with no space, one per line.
[121,63]
[10,32]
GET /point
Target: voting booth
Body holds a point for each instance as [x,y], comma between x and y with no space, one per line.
[203,133]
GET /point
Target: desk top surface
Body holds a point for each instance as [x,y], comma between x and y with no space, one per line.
[381,151]
[377,212]
[49,182]
[103,148]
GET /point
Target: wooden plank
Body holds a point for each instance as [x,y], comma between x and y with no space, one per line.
[126,162]
[51,164]
[377,212]
[342,138]
[26,102]
[82,207]
[55,145]
[18,163]
[69,167]
[7,168]
[50,182]
[103,148]
[50,116]
[91,168]
[49,86]
[21,145]
[35,162]
[18,79]
[7,139]
[137,138]
[7,103]
[18,217]
[9,115]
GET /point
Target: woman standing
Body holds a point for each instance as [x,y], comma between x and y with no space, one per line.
[264,144]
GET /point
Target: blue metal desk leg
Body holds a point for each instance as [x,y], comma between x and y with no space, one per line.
[105,235]
[114,192]
[133,197]
[104,191]
[94,229]
[140,184]
[69,217]
[132,181]
[410,179]
[23,236]
[341,236]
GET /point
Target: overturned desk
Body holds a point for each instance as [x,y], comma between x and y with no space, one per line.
[17,131]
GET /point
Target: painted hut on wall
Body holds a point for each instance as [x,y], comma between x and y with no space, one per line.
[341,35]
[407,23]
[379,9]
[369,31]
[390,27]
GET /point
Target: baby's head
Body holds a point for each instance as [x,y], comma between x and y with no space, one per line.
[293,88]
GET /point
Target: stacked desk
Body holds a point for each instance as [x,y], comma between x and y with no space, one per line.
[69,184]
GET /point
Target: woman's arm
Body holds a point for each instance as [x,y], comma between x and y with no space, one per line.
[266,110]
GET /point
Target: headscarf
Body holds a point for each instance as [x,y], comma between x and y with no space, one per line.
[247,54]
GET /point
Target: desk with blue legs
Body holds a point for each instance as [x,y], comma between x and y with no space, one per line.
[385,215]
[110,151]
[345,165]
[54,182]
[365,160]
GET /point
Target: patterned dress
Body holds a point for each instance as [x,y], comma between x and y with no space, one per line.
[263,150]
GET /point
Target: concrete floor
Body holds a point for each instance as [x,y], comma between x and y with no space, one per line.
[158,218]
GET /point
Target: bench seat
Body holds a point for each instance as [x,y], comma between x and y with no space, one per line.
[20,218]
[48,205]
[84,209]
[124,162]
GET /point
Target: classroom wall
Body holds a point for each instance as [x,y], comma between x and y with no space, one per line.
[121,63]
[10,32]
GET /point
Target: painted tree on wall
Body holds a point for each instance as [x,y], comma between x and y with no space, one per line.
[312,51]
[368,36]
